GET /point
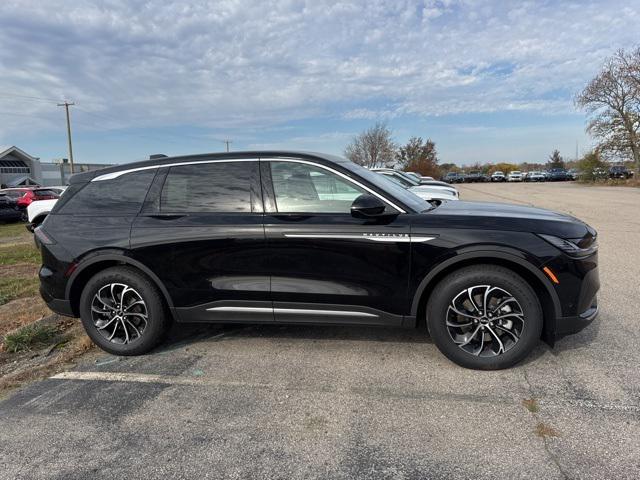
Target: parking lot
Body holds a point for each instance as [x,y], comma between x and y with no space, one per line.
[324,402]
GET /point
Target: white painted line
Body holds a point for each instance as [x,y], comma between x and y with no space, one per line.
[203,381]
[146,378]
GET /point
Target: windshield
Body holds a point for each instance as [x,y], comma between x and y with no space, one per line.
[405,196]
[409,178]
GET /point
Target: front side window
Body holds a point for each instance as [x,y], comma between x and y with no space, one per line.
[223,187]
[303,188]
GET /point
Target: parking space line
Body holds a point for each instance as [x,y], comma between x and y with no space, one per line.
[203,382]
[148,378]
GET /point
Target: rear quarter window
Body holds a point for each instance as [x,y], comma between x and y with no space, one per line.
[123,195]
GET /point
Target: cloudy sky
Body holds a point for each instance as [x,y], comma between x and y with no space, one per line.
[487,80]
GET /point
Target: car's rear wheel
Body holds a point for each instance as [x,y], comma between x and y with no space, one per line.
[123,312]
[484,317]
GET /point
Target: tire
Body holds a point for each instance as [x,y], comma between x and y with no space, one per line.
[131,333]
[517,324]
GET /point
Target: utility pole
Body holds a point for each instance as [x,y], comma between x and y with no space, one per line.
[227,143]
[66,106]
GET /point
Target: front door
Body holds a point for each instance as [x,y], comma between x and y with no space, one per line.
[201,231]
[325,264]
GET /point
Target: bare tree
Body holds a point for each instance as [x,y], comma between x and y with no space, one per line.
[612,100]
[372,148]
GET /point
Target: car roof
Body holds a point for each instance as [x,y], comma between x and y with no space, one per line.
[321,157]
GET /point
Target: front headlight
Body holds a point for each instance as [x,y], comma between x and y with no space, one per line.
[572,246]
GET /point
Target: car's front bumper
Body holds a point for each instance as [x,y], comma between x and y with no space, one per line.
[569,325]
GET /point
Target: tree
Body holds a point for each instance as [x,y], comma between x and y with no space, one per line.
[505,168]
[419,156]
[555,160]
[612,100]
[372,148]
[449,167]
[588,165]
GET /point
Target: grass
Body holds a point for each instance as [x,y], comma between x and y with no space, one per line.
[16,229]
[30,336]
[531,404]
[19,253]
[18,287]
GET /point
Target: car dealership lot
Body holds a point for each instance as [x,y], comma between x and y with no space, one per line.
[323,402]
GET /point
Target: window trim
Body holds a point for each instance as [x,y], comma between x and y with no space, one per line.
[325,167]
[112,175]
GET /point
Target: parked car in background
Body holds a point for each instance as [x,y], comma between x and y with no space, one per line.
[426,192]
[9,211]
[420,178]
[37,211]
[600,173]
[515,176]
[573,174]
[498,177]
[620,171]
[558,175]
[474,176]
[453,177]
[535,177]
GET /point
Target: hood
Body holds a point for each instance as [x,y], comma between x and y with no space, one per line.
[503,216]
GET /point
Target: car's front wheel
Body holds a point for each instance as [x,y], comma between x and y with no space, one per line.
[484,317]
[123,312]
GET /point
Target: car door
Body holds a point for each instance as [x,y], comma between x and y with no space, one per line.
[325,264]
[201,232]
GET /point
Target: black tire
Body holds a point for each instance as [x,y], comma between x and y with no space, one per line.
[158,318]
[479,276]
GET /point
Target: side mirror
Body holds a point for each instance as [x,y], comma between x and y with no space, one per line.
[367,206]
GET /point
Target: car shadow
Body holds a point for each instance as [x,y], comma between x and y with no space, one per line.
[183,334]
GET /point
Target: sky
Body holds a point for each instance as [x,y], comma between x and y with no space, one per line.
[488,81]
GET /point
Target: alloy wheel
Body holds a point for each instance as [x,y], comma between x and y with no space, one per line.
[119,313]
[485,320]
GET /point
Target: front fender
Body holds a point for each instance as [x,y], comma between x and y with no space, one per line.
[476,256]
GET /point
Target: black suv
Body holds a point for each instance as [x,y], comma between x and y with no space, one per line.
[286,237]
[619,171]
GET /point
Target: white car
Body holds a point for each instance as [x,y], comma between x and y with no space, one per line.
[426,192]
[515,176]
[408,181]
[38,211]
[498,177]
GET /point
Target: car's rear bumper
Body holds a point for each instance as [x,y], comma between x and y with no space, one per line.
[57,305]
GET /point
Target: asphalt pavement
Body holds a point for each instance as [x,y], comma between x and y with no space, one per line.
[325,402]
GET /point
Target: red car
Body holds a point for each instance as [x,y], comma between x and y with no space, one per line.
[25,195]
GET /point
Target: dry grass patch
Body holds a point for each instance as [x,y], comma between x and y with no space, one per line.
[20,312]
[543,430]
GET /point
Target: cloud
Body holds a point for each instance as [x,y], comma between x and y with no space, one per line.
[250,64]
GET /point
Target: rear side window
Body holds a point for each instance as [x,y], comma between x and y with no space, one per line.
[121,196]
[223,187]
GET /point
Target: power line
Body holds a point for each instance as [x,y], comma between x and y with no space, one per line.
[227,143]
[66,106]
[28,97]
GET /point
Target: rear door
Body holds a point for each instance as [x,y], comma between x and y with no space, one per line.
[201,232]
[326,265]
